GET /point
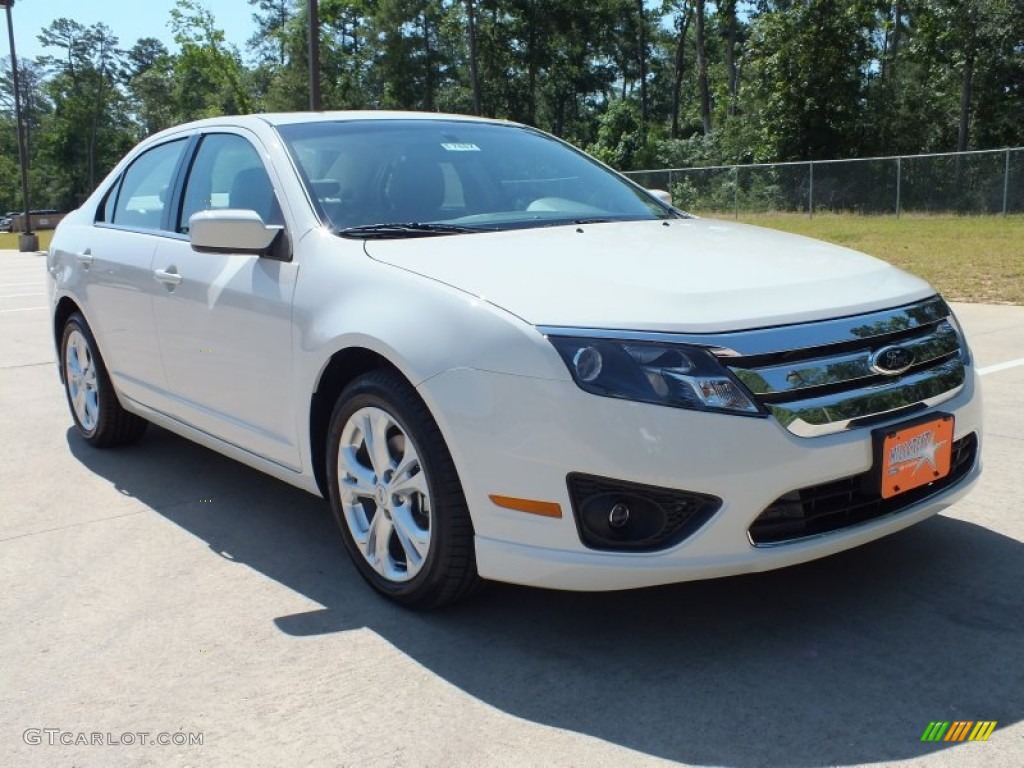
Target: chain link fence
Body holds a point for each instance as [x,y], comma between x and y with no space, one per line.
[978,182]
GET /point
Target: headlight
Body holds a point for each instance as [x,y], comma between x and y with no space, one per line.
[665,374]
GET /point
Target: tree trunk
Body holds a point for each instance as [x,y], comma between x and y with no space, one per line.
[91,158]
[282,22]
[702,70]
[97,109]
[683,26]
[965,103]
[967,83]
[531,56]
[891,44]
[731,30]
[428,54]
[642,19]
[474,74]
[896,31]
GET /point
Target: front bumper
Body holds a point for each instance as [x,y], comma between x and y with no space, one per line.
[520,437]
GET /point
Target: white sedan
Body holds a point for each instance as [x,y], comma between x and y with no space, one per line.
[501,360]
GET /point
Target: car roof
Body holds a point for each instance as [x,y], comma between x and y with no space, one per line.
[288,118]
[291,118]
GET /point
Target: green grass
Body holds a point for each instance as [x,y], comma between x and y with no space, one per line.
[967,258]
[9,240]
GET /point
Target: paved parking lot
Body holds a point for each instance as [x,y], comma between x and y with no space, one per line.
[165,589]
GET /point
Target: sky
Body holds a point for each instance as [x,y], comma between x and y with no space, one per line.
[129,20]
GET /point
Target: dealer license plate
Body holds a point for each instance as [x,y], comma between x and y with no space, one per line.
[916,455]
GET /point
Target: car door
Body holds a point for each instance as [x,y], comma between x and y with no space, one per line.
[224,319]
[114,258]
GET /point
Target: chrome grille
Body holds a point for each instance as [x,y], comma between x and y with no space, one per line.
[836,375]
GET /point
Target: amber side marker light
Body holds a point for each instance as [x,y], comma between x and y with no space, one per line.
[542,508]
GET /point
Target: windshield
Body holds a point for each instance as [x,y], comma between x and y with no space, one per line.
[469,176]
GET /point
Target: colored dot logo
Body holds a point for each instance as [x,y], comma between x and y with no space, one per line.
[959,730]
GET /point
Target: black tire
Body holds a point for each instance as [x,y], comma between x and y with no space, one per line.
[113,424]
[448,572]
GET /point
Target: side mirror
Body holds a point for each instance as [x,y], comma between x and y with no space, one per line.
[661,194]
[231,230]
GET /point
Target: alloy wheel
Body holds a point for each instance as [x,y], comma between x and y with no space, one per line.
[80,374]
[385,497]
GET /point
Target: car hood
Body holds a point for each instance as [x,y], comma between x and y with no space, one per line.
[684,275]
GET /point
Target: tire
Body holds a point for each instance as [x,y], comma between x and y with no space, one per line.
[99,417]
[398,501]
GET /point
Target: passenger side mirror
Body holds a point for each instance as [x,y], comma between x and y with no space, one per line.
[661,194]
[231,230]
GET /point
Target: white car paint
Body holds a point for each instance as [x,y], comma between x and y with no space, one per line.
[232,356]
[687,275]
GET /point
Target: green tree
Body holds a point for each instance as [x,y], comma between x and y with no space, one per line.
[34,104]
[149,79]
[808,63]
[90,127]
[208,75]
[272,22]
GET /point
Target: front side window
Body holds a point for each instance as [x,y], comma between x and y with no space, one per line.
[146,188]
[228,173]
[457,175]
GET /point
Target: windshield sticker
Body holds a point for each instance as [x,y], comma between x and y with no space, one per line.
[461,147]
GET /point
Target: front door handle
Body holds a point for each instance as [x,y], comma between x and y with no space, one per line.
[84,258]
[167,277]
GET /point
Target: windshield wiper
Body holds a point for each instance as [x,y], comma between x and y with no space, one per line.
[407,229]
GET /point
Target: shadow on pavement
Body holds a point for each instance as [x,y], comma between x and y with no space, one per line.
[841,661]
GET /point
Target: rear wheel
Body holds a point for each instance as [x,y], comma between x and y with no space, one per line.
[396,496]
[99,417]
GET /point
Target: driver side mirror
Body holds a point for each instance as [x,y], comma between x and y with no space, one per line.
[232,230]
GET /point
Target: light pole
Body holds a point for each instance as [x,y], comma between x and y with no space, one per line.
[314,56]
[28,241]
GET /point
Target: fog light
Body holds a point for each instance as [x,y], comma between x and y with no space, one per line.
[614,515]
[619,516]
[588,363]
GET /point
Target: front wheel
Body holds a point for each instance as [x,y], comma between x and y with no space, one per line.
[99,417]
[396,495]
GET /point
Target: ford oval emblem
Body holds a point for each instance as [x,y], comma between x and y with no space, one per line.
[891,361]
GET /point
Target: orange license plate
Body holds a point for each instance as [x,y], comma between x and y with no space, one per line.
[916,455]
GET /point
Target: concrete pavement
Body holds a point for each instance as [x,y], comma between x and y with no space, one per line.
[165,589]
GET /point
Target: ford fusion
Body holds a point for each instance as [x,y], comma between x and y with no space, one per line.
[499,359]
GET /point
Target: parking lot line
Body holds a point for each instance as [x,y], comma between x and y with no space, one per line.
[22,309]
[1000,366]
[21,295]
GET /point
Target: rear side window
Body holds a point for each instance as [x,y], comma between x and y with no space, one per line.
[146,187]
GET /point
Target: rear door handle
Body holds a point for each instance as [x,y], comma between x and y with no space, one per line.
[84,258]
[167,277]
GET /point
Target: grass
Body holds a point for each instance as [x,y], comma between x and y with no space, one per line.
[967,258]
[9,240]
